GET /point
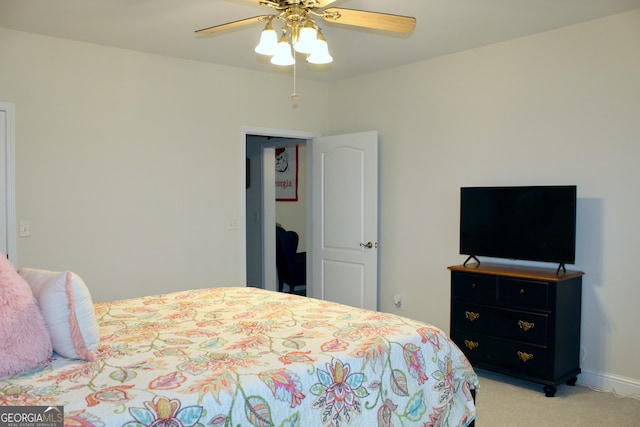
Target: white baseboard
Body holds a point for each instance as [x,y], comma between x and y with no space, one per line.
[602,381]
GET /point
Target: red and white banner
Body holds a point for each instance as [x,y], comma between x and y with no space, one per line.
[287,174]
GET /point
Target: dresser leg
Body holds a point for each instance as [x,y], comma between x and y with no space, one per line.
[549,390]
[572,381]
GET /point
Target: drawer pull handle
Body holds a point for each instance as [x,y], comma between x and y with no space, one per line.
[525,326]
[471,344]
[473,286]
[525,357]
[471,316]
[521,291]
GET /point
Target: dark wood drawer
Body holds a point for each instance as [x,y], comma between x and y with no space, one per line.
[517,320]
[523,293]
[476,347]
[472,317]
[526,359]
[499,322]
[473,286]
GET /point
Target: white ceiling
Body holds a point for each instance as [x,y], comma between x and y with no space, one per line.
[166,27]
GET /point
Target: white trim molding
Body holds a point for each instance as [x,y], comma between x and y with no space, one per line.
[9,110]
[616,384]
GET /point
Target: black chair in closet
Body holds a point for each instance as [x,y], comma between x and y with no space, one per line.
[291,264]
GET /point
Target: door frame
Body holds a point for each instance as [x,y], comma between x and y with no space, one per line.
[10,185]
[268,204]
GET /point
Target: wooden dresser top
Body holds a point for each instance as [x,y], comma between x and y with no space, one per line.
[522,272]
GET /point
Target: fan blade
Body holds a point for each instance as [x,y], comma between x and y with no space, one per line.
[232,25]
[375,20]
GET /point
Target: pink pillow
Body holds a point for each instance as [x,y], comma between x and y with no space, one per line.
[24,338]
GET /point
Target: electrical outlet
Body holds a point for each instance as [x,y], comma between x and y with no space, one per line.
[397,300]
[25,228]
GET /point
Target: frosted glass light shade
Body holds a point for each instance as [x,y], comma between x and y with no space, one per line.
[283,54]
[320,54]
[307,40]
[268,41]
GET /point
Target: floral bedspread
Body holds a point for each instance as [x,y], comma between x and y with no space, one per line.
[249,357]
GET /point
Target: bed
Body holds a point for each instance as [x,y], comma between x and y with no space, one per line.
[250,357]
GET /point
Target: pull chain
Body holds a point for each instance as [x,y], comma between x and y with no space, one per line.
[294,95]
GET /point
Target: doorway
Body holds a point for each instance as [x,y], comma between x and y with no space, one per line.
[341,204]
[261,212]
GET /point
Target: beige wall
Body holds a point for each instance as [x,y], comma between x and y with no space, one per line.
[561,107]
[127,164]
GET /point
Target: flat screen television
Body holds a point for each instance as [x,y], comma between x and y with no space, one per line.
[533,223]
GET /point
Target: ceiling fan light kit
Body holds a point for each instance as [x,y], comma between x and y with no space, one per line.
[307,40]
[301,32]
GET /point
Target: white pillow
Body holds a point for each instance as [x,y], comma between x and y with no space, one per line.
[67,308]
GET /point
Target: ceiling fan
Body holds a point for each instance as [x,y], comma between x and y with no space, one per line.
[300,31]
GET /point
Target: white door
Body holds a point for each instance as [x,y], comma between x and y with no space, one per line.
[7,197]
[344,219]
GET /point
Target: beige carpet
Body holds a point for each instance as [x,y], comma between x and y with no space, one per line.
[507,402]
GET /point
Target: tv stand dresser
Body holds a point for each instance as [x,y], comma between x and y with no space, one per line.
[519,321]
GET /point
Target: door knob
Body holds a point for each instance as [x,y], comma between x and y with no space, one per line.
[368,245]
